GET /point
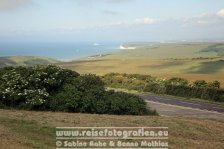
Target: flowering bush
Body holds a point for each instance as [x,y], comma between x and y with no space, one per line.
[53,88]
[30,87]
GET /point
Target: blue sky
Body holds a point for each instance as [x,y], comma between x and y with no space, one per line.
[111,20]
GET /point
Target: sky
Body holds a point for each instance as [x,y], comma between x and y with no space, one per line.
[111,20]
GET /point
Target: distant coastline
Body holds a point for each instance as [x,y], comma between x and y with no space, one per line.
[59,51]
[124,47]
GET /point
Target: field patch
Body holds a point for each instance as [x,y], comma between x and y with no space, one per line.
[208,67]
[183,131]
[216,48]
[25,61]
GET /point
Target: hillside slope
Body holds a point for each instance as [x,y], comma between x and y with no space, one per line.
[28,130]
[25,61]
[193,61]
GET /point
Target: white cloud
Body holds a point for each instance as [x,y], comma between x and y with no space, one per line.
[13,4]
[221,13]
[128,23]
[205,15]
[208,18]
[146,21]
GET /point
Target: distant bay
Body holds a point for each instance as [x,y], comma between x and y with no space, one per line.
[57,50]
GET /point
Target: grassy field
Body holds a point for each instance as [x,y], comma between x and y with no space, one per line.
[25,61]
[165,51]
[25,130]
[192,61]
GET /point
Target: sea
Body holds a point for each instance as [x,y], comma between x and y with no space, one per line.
[64,51]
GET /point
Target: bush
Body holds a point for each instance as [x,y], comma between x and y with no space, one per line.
[196,92]
[174,86]
[214,84]
[56,89]
[79,95]
[155,88]
[128,81]
[213,94]
[30,87]
[200,83]
[177,81]
[123,103]
[94,99]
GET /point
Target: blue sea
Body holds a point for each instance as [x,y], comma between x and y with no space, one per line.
[57,50]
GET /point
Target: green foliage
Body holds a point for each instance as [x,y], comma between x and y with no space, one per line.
[218,48]
[200,83]
[53,88]
[214,84]
[155,88]
[86,94]
[79,96]
[177,81]
[123,103]
[36,61]
[30,87]
[196,92]
[129,81]
[174,86]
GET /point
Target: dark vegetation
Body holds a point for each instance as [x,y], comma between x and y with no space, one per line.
[174,86]
[218,48]
[56,89]
[207,67]
[36,61]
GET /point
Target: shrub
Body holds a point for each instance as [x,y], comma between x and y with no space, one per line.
[124,103]
[29,87]
[57,89]
[214,84]
[174,86]
[213,94]
[177,81]
[196,92]
[155,88]
[78,96]
[200,83]
[94,99]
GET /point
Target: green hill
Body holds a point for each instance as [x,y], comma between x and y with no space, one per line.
[193,61]
[26,61]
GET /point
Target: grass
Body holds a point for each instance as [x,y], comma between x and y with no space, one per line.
[165,51]
[160,68]
[29,133]
[212,66]
[25,129]
[25,60]
[193,61]
[218,48]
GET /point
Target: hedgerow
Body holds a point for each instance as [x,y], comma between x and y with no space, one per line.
[174,86]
